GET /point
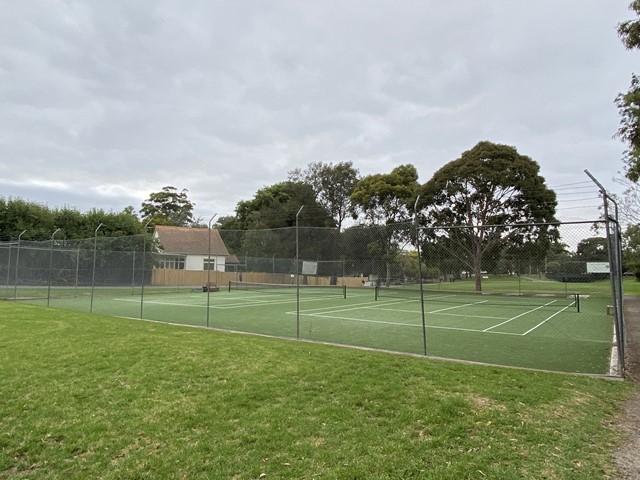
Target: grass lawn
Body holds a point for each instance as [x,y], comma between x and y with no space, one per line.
[91,396]
[631,286]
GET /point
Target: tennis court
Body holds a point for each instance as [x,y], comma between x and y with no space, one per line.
[563,332]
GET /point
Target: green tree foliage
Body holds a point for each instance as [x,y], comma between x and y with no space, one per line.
[387,199]
[629,103]
[486,190]
[333,186]
[261,226]
[17,215]
[593,249]
[39,222]
[631,250]
[168,207]
[276,206]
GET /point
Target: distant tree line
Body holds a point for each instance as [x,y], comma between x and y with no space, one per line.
[466,212]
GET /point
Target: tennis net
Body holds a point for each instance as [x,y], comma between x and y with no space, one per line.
[284,288]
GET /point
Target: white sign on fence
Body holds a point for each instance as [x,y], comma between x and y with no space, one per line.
[598,267]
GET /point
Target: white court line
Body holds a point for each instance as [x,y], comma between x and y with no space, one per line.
[358,306]
[446,314]
[243,304]
[522,315]
[150,302]
[401,324]
[545,321]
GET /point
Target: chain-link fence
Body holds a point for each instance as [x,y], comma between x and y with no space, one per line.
[546,296]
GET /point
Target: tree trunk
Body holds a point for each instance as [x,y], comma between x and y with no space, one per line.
[477,269]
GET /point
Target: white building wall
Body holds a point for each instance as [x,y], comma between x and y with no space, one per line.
[196,262]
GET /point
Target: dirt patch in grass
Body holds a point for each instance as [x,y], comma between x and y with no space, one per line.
[627,457]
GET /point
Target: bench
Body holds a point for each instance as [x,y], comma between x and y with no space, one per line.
[210,287]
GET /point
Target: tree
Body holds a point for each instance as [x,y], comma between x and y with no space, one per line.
[482,195]
[17,215]
[276,206]
[38,221]
[593,249]
[333,186]
[631,249]
[168,207]
[629,103]
[629,201]
[385,200]
[273,211]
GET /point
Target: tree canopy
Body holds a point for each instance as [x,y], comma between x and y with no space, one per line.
[38,221]
[333,186]
[629,103]
[169,207]
[276,206]
[487,190]
[387,198]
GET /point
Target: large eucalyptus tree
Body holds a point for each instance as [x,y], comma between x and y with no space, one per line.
[481,197]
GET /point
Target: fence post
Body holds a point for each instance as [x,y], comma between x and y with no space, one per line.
[15,287]
[297,277]
[209,268]
[615,271]
[51,266]
[93,271]
[144,261]
[424,323]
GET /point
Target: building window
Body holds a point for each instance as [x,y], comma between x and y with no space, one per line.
[209,264]
[172,262]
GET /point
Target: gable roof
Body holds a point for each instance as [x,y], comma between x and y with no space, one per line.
[190,241]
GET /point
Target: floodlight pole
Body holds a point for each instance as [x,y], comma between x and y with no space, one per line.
[424,324]
[51,266]
[297,276]
[93,272]
[15,287]
[209,268]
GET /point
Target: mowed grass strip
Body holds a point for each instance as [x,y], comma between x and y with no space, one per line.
[90,396]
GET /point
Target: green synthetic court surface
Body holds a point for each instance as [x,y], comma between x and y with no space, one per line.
[532,331]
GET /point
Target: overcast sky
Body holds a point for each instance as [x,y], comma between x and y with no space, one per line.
[103,102]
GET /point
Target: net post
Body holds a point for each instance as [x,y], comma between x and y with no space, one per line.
[229,286]
[375,292]
[344,291]
[577,300]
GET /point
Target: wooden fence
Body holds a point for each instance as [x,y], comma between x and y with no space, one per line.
[197,278]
